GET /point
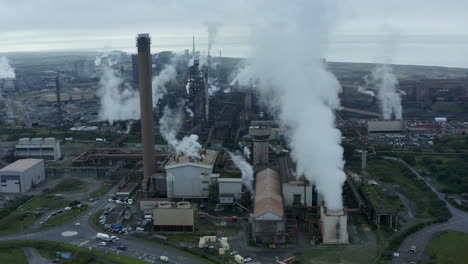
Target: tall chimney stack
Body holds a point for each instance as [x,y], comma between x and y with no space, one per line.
[59,102]
[146,106]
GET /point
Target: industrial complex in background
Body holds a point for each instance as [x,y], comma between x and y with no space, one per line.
[240,174]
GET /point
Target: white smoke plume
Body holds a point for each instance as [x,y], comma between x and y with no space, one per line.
[170,125]
[213,89]
[246,151]
[365,91]
[383,79]
[6,71]
[288,60]
[159,82]
[189,111]
[245,76]
[388,97]
[246,170]
[118,102]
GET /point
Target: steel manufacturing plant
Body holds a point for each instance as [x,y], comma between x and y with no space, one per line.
[180,155]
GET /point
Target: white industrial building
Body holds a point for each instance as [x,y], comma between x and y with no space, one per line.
[230,190]
[47,148]
[188,177]
[334,226]
[21,175]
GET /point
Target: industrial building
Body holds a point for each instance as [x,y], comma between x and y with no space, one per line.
[190,177]
[21,175]
[230,190]
[334,226]
[268,220]
[260,134]
[47,148]
[7,85]
[385,127]
[179,216]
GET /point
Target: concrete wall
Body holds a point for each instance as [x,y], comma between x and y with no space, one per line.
[188,182]
[292,188]
[234,188]
[334,228]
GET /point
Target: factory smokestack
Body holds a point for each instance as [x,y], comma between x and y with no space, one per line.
[59,102]
[146,105]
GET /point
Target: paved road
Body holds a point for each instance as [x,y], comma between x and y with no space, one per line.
[422,239]
[81,232]
[34,257]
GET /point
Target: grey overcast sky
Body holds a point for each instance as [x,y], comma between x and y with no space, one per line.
[427,32]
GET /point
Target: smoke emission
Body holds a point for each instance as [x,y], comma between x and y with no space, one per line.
[170,125]
[246,170]
[118,102]
[382,77]
[159,82]
[365,91]
[288,61]
[246,152]
[6,71]
[388,97]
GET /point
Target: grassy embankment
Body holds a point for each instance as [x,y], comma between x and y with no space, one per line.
[80,255]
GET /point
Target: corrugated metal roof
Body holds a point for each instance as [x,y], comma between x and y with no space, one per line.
[21,165]
[268,197]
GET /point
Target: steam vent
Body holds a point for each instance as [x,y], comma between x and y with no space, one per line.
[146,105]
[333,225]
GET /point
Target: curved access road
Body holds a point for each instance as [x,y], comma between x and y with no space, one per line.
[422,239]
[82,232]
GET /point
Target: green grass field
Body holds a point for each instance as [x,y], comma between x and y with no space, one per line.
[449,248]
[424,200]
[25,216]
[80,255]
[64,218]
[69,185]
[101,191]
[13,256]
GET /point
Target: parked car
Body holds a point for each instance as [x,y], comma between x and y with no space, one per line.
[234,253]
[246,260]
[121,247]
[102,244]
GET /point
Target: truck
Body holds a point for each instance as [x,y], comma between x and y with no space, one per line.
[238,259]
[164,259]
[412,250]
[103,237]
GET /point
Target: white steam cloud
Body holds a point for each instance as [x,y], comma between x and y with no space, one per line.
[6,71]
[365,91]
[388,97]
[288,60]
[118,102]
[159,82]
[170,125]
[246,151]
[384,80]
[246,170]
